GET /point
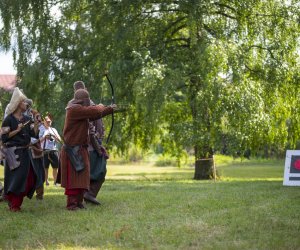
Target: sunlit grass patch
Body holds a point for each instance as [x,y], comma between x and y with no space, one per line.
[148,207]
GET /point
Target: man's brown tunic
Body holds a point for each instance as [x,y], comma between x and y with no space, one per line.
[76,133]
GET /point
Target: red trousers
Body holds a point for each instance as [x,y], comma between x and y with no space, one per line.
[15,200]
[71,191]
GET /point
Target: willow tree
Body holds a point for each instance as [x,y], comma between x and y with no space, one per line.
[199,75]
[217,73]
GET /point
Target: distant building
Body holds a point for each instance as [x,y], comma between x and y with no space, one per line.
[8,82]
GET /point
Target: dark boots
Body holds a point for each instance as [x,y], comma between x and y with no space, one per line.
[75,202]
[72,202]
[90,196]
[80,201]
[40,193]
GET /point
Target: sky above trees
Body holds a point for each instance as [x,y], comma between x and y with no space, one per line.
[6,63]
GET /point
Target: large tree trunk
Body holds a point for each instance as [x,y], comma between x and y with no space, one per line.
[204,164]
[204,169]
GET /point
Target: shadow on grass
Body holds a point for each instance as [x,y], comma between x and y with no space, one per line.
[135,214]
[153,176]
[146,210]
[253,163]
[188,176]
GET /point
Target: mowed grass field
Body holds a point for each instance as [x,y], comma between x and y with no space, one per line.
[148,207]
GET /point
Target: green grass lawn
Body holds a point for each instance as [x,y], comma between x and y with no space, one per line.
[146,207]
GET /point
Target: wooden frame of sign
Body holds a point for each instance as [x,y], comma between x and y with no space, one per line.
[292,168]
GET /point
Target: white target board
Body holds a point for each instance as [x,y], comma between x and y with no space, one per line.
[292,168]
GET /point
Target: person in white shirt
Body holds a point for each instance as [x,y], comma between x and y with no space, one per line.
[49,138]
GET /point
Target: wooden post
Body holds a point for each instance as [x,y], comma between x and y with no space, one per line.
[214,168]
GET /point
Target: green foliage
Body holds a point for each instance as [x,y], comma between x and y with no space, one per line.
[164,161]
[193,75]
[135,155]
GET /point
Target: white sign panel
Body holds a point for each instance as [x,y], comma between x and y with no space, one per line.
[292,168]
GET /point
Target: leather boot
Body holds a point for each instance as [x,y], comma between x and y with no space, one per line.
[80,201]
[90,196]
[40,193]
[72,202]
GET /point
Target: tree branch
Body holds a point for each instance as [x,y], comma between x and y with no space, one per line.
[174,23]
[222,5]
[210,30]
[252,70]
[160,10]
[177,29]
[267,49]
[224,14]
[182,39]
